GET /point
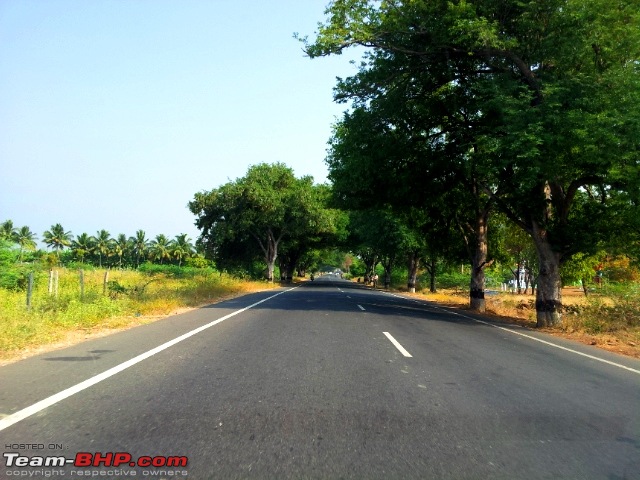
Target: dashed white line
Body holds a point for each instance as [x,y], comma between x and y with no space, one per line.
[531,337]
[397,345]
[360,307]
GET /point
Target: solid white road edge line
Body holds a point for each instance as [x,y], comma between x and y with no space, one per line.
[551,344]
[397,345]
[53,399]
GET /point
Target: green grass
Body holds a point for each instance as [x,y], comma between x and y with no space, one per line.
[130,298]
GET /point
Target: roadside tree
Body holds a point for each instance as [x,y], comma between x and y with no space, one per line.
[544,95]
[253,214]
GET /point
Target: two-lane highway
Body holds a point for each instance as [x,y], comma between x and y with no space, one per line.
[328,380]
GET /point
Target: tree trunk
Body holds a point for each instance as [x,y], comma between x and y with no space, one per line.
[291,264]
[479,261]
[549,291]
[585,288]
[270,250]
[387,264]
[432,275]
[270,257]
[516,276]
[414,262]
[271,267]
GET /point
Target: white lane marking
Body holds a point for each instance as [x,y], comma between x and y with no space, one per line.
[530,337]
[360,307]
[53,399]
[397,345]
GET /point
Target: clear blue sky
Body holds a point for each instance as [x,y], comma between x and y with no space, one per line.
[114,113]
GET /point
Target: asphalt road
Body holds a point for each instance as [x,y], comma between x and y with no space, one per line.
[307,384]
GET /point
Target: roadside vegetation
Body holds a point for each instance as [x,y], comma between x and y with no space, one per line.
[489,149]
[72,300]
[50,297]
[130,298]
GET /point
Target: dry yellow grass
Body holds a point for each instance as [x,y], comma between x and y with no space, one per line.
[132,298]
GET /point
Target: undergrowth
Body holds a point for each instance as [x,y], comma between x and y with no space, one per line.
[128,297]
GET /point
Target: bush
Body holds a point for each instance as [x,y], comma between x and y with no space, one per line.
[174,270]
[12,276]
[449,280]
[198,262]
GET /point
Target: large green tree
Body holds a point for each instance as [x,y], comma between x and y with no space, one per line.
[82,246]
[26,239]
[57,238]
[7,230]
[120,247]
[395,149]
[255,213]
[323,227]
[102,244]
[543,95]
[182,248]
[140,245]
[160,248]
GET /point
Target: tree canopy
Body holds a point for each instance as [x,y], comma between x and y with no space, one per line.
[532,107]
[255,215]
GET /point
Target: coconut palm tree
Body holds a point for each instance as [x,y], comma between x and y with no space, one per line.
[120,247]
[82,246]
[102,244]
[25,238]
[140,245]
[57,238]
[182,248]
[7,230]
[161,248]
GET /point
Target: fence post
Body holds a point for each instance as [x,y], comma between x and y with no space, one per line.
[29,290]
[106,280]
[81,284]
[50,281]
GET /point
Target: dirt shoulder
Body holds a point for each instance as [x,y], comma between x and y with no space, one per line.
[520,310]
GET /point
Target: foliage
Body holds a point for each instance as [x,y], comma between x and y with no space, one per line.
[10,276]
[581,268]
[57,238]
[174,270]
[99,250]
[451,280]
[266,213]
[526,102]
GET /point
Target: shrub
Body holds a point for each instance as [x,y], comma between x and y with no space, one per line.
[449,280]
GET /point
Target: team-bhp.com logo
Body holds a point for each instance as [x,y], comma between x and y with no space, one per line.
[86,459]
